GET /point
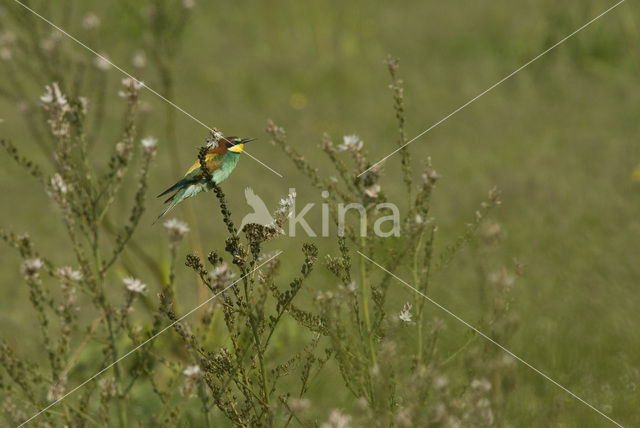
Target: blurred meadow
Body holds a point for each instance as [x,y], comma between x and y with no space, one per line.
[560,140]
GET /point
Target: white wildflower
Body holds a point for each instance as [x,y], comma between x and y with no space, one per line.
[56,392]
[47,45]
[108,386]
[176,229]
[405,314]
[90,21]
[69,274]
[188,4]
[299,405]
[351,143]
[132,87]
[84,102]
[349,288]
[58,184]
[372,191]
[284,207]
[324,295]
[502,277]
[102,63]
[54,97]
[31,267]
[123,149]
[222,273]
[139,59]
[441,382]
[481,385]
[361,405]
[5,54]
[7,38]
[192,371]
[135,285]
[149,145]
[337,420]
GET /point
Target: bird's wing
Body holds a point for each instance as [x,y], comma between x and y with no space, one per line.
[212,160]
[192,175]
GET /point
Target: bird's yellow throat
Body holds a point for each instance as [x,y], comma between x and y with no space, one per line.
[237,148]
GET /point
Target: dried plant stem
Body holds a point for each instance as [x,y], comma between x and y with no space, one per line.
[415,281]
[365,301]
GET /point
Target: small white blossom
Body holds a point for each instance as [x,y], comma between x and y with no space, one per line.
[299,405]
[135,285]
[222,273]
[405,314]
[102,63]
[108,386]
[56,392]
[351,143]
[481,385]
[176,229]
[372,191]
[31,267]
[7,38]
[5,53]
[193,371]
[188,4]
[58,184]
[54,97]
[349,288]
[337,420]
[69,274]
[123,149]
[132,87]
[47,45]
[90,21]
[502,277]
[84,102]
[139,59]
[216,136]
[149,145]
[284,207]
[324,295]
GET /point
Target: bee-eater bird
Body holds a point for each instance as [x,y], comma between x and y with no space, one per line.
[221,159]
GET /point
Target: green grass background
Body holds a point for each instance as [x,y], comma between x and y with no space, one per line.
[560,139]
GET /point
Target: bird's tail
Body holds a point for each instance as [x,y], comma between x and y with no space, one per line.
[173,201]
[176,186]
[187,191]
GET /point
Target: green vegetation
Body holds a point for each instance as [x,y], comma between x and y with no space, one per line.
[549,273]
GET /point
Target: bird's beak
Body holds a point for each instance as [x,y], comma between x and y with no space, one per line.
[246,140]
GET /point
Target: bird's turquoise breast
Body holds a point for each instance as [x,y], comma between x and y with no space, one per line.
[228,163]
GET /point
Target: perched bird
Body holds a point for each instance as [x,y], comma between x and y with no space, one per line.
[221,159]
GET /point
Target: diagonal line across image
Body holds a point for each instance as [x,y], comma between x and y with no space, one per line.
[490,88]
[489,339]
[123,71]
[148,340]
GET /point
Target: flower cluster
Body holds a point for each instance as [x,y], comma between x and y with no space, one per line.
[350,143]
[132,87]
[69,274]
[177,229]
[149,145]
[405,314]
[134,285]
[31,268]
